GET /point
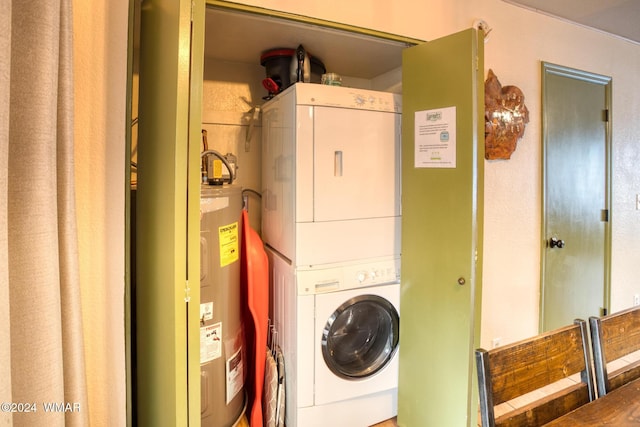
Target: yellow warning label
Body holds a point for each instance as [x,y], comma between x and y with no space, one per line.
[228,236]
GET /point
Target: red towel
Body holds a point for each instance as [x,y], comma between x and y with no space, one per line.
[255,290]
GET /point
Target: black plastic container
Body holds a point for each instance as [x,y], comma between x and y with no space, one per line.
[277,63]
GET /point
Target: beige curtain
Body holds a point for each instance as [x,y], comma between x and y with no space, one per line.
[41,343]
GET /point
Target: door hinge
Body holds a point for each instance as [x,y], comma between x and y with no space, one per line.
[605,115]
[603,311]
[604,215]
[187,292]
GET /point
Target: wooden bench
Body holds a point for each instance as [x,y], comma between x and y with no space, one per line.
[613,338]
[514,370]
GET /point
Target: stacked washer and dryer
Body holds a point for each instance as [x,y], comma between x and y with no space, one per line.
[331,225]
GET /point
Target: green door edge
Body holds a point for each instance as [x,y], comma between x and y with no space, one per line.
[128,303]
[193,223]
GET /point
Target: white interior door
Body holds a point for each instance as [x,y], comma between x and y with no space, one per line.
[356,154]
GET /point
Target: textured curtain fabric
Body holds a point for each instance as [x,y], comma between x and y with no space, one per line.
[5,329]
[41,343]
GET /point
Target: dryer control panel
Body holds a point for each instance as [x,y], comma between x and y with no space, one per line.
[338,277]
[351,98]
[345,97]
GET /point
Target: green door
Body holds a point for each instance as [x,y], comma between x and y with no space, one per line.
[442,194]
[575,277]
[167,364]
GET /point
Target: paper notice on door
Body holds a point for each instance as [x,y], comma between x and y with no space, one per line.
[435,138]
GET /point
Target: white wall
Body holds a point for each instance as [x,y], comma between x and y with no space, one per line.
[230,92]
[519,41]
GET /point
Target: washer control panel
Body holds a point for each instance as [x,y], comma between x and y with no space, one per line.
[338,277]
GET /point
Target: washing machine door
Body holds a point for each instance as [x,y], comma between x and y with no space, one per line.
[360,337]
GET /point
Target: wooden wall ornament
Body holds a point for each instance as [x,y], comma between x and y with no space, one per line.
[505,118]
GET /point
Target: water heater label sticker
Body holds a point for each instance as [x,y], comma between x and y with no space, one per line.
[210,342]
[235,375]
[228,236]
[435,138]
[206,311]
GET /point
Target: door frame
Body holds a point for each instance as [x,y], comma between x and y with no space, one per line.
[310,20]
[559,70]
[170,124]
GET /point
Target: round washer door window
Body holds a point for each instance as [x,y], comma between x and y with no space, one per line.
[360,337]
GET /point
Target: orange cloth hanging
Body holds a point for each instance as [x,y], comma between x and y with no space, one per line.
[255,287]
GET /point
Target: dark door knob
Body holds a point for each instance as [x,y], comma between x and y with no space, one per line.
[554,242]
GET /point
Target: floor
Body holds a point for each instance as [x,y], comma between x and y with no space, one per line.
[389,423]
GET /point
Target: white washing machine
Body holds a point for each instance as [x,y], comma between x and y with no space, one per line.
[338,328]
[331,225]
[356,341]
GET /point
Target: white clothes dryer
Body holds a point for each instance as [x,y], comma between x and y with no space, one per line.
[331,174]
